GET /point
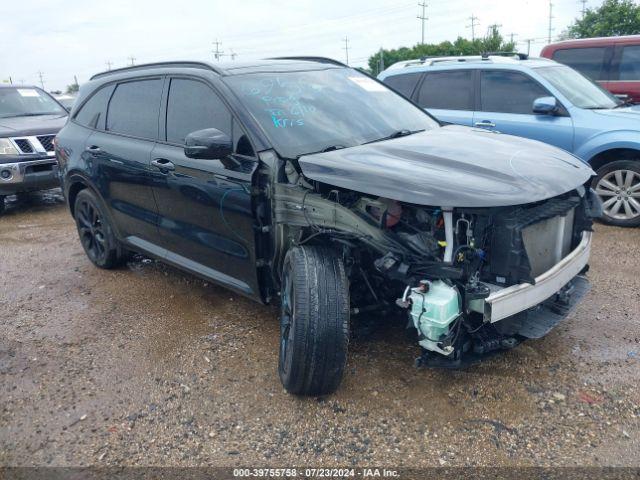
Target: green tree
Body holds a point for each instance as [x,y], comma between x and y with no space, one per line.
[73,88]
[612,18]
[493,42]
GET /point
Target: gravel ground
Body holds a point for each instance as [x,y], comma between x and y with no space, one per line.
[148,366]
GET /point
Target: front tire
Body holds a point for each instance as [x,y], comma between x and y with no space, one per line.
[95,231]
[314,323]
[618,185]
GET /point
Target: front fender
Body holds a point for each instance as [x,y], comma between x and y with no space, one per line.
[601,142]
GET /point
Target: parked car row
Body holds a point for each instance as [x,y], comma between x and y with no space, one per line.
[541,100]
[302,181]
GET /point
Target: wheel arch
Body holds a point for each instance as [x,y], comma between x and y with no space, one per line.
[611,155]
[78,182]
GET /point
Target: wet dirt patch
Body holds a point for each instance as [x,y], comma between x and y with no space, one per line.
[145,365]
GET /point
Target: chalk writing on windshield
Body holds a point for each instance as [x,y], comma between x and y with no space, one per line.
[286,102]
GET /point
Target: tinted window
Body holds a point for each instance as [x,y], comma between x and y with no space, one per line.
[404,83]
[508,92]
[194,106]
[134,108]
[447,90]
[93,111]
[588,61]
[630,63]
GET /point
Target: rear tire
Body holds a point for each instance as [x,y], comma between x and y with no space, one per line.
[618,186]
[95,231]
[314,323]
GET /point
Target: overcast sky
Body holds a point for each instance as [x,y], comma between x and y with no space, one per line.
[62,38]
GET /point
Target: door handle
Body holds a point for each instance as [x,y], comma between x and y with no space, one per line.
[163,164]
[485,123]
[93,149]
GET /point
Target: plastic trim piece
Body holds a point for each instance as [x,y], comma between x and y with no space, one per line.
[517,298]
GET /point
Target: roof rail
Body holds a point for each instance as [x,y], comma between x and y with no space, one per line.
[146,66]
[312,59]
[521,56]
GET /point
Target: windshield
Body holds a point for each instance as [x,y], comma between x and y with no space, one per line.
[312,111]
[578,89]
[18,102]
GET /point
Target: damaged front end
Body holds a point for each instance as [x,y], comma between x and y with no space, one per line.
[472,279]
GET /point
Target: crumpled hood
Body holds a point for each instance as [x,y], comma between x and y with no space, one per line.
[36,125]
[452,166]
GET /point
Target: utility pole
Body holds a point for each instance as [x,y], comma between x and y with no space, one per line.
[233,54]
[550,21]
[495,26]
[108,63]
[584,7]
[346,48]
[381,61]
[528,40]
[474,24]
[41,80]
[512,36]
[132,59]
[217,53]
[75,79]
[423,18]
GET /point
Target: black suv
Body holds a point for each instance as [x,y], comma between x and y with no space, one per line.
[304,180]
[29,121]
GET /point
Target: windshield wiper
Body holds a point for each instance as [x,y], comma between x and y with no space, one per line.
[625,103]
[396,134]
[26,115]
[330,148]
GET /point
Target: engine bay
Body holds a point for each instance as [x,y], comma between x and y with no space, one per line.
[437,263]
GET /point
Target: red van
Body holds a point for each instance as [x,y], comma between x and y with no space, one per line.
[614,62]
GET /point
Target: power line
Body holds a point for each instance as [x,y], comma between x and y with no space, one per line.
[550,22]
[474,23]
[346,48]
[423,18]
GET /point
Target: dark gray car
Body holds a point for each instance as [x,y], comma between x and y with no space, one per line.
[29,121]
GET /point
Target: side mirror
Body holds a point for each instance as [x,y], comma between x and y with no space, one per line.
[208,144]
[545,105]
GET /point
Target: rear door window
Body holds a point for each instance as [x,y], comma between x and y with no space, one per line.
[630,63]
[588,61]
[92,113]
[508,92]
[451,90]
[194,106]
[134,108]
[404,83]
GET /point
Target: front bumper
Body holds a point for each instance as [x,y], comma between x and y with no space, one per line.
[28,176]
[506,302]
